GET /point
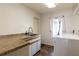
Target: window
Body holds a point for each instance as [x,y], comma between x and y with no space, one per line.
[56,26]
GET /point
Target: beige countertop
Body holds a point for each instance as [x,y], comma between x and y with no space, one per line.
[10,42]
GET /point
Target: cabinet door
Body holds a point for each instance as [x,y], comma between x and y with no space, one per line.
[60,47]
[73,47]
[20,52]
[33,48]
[38,45]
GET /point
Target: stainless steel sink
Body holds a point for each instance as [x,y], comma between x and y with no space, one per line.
[30,34]
[33,34]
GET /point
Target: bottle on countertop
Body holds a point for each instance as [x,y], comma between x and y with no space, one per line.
[73,31]
[26,32]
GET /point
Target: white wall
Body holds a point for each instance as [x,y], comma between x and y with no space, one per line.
[15,18]
[45,28]
[45,24]
[75,22]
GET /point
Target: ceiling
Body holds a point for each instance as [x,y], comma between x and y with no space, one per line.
[41,8]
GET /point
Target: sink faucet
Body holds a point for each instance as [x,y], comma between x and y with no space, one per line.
[30,31]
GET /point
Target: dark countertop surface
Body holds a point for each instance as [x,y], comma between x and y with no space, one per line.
[10,42]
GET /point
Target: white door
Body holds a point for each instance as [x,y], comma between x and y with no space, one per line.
[36,25]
